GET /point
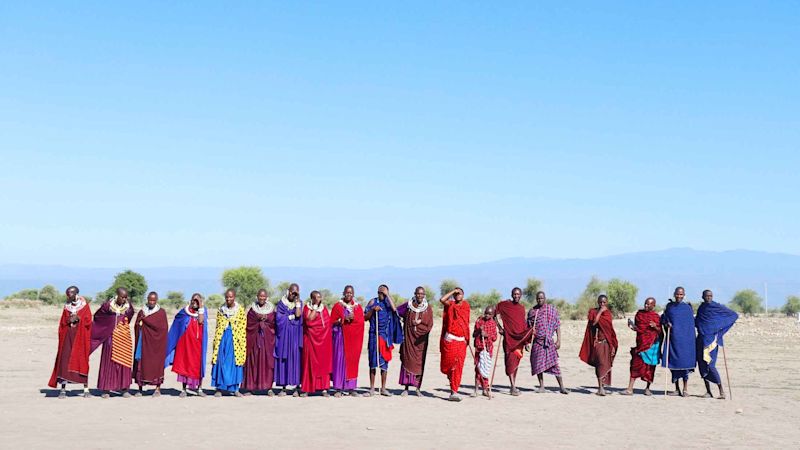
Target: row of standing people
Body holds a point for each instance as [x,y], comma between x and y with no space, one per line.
[305,348]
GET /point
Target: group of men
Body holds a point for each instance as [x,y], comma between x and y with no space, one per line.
[305,348]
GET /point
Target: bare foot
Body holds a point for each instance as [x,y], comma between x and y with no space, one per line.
[685,393]
[157,393]
[237,394]
[473,395]
[515,392]
[721,396]
[648,393]
[282,393]
[325,393]
[454,398]
[87,395]
[673,393]
[247,394]
[385,393]
[601,393]
[295,393]
[337,394]
[564,391]
[417,393]
[105,395]
[541,390]
[708,395]
[270,393]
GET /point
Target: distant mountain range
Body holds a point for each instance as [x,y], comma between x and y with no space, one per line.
[656,273]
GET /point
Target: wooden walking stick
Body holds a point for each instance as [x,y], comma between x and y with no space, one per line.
[666,365]
[727,374]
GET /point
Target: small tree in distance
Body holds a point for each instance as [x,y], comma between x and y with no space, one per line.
[747,301]
[792,306]
[532,286]
[621,296]
[133,282]
[447,286]
[246,281]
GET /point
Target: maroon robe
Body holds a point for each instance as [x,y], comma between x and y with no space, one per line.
[259,367]
[151,334]
[515,329]
[72,359]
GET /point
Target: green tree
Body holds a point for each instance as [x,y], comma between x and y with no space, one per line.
[532,286]
[25,294]
[747,301]
[792,306]
[588,299]
[621,296]
[447,286]
[281,288]
[175,299]
[565,308]
[213,302]
[329,298]
[480,301]
[130,280]
[430,294]
[246,281]
[49,295]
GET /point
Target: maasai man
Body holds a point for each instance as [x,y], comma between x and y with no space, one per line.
[600,343]
[417,318]
[485,335]
[679,349]
[288,340]
[453,343]
[112,328]
[544,320]
[150,329]
[259,366]
[347,318]
[713,321]
[514,329]
[644,357]
[317,347]
[186,345]
[230,346]
[384,332]
[74,340]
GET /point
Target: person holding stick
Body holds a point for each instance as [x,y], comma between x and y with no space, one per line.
[712,321]
[544,320]
[645,355]
[515,333]
[484,335]
[454,340]
[385,331]
[679,348]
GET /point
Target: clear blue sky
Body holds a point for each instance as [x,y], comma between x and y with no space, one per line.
[384,133]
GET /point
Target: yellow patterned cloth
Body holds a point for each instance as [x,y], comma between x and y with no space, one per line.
[122,344]
[238,323]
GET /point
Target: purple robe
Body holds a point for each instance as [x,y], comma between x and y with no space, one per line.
[288,345]
[339,375]
[112,376]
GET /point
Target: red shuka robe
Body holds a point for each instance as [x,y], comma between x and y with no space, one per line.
[602,362]
[79,355]
[353,337]
[317,351]
[515,326]
[455,320]
[189,351]
[152,330]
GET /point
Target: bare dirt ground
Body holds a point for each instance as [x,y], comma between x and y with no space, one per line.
[764,412]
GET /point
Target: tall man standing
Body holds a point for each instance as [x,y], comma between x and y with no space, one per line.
[384,331]
[679,350]
[514,329]
[453,343]
[712,321]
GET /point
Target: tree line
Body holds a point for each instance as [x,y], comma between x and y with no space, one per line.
[247,280]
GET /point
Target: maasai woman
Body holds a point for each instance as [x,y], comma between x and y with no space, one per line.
[317,347]
[74,341]
[417,318]
[230,346]
[112,329]
[259,366]
[186,345]
[150,329]
[347,318]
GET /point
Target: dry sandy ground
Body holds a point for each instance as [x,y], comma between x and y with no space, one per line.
[764,412]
